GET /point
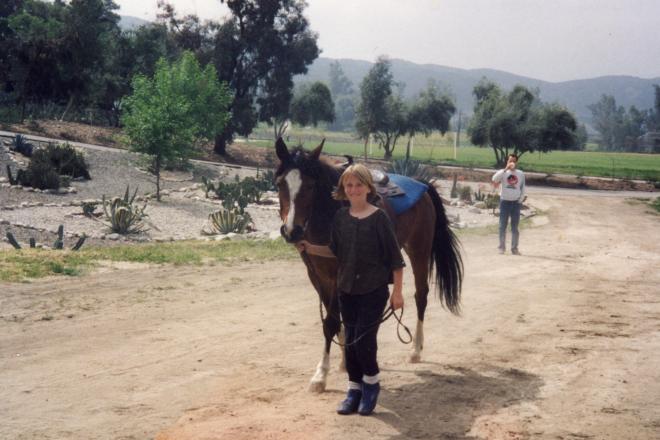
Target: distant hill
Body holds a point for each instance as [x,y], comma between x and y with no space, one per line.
[575,95]
[127,23]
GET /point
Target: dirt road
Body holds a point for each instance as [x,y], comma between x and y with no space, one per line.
[562,342]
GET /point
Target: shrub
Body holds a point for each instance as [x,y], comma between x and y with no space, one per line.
[40,175]
[65,159]
[465,193]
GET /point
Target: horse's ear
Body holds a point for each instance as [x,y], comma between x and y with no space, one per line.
[281,150]
[317,151]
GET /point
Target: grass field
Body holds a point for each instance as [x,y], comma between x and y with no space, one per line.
[16,266]
[439,150]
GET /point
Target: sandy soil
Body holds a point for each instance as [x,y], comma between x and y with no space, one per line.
[560,343]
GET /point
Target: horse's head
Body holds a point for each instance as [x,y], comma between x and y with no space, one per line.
[304,185]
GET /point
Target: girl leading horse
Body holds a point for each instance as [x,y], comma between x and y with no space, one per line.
[305,184]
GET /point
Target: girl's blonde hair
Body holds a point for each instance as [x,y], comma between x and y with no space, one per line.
[361,173]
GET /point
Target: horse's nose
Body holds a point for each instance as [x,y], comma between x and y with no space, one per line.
[295,235]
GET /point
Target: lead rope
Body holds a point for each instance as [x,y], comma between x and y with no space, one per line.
[389,312]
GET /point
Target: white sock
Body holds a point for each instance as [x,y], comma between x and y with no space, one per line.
[354,386]
[371,380]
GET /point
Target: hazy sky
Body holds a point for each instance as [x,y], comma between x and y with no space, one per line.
[554,40]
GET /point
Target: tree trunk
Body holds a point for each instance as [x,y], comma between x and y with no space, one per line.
[157,170]
[68,107]
[366,154]
[220,145]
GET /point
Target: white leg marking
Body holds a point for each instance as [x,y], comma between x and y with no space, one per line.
[294,182]
[317,384]
[416,355]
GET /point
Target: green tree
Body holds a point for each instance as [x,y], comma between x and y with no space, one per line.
[379,113]
[518,122]
[343,95]
[167,115]
[431,112]
[257,51]
[33,50]
[312,104]
[607,119]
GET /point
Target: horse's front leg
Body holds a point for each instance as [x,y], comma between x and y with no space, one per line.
[331,327]
[421,294]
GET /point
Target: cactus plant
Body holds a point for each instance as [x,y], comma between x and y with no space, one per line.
[59,241]
[123,215]
[12,240]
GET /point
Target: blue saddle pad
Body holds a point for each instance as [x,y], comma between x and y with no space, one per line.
[413,190]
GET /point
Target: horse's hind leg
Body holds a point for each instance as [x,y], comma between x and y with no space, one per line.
[419,262]
[330,329]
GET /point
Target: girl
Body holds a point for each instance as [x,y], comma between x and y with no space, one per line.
[369,256]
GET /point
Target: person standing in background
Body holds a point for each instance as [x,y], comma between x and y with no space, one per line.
[512,195]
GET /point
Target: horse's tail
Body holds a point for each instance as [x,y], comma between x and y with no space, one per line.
[446,257]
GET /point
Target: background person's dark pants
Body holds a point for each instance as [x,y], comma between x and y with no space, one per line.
[509,209]
[361,315]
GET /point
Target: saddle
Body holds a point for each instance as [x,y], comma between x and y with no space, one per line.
[397,193]
[385,187]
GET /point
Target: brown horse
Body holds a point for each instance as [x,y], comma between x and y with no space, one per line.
[305,184]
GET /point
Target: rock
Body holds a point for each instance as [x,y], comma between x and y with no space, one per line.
[460,225]
[25,205]
[62,191]
[3,179]
[475,210]
[113,237]
[8,207]
[4,222]
[5,185]
[274,235]
[48,191]
[72,190]
[480,205]
[28,189]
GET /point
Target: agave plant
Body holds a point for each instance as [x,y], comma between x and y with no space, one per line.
[410,168]
[124,216]
[225,221]
[21,145]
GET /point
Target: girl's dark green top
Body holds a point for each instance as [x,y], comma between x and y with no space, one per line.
[366,249]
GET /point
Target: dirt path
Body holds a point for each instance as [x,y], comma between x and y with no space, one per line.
[560,343]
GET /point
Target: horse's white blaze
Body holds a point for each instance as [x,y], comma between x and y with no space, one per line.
[293,182]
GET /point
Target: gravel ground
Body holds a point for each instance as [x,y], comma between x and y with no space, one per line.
[182,213]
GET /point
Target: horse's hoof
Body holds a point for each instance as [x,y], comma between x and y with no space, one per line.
[415,358]
[316,387]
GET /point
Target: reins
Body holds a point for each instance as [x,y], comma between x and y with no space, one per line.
[389,312]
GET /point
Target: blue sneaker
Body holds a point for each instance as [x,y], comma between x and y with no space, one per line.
[350,404]
[369,398]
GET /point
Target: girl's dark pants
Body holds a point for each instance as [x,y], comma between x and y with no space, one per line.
[361,315]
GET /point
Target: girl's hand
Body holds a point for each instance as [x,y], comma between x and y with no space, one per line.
[300,245]
[396,300]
